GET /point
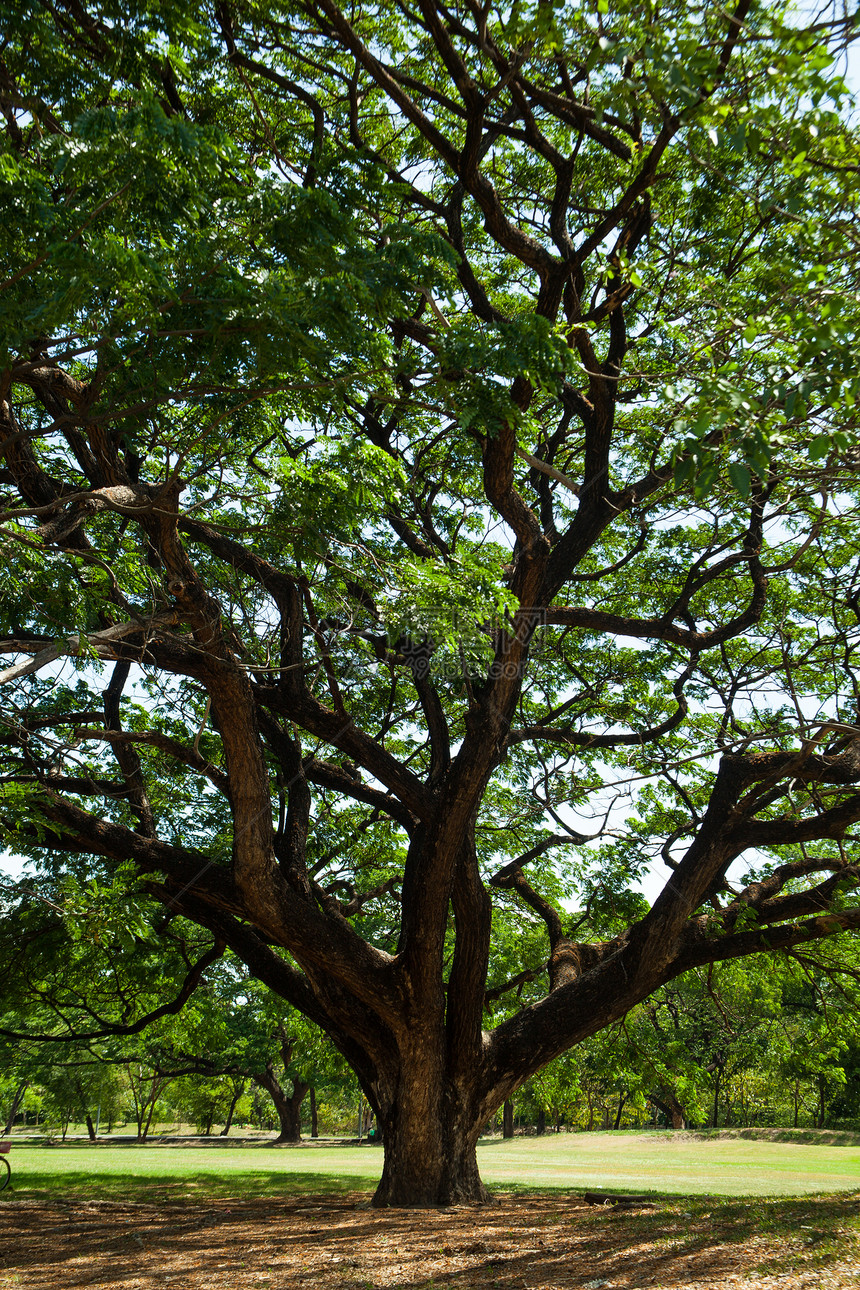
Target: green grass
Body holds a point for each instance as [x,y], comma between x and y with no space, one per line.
[664,1164]
[150,1173]
[671,1164]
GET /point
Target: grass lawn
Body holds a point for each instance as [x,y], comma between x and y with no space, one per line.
[670,1164]
[665,1164]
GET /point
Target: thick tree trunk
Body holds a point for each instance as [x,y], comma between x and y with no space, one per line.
[430,1120]
[91,1128]
[288,1108]
[668,1103]
[436,1166]
[410,1180]
[294,1111]
[540,1127]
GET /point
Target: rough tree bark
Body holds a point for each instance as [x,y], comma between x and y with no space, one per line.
[220,606]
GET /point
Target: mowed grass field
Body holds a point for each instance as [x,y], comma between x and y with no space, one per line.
[664,1164]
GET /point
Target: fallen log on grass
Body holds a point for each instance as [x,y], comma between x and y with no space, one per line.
[622,1202]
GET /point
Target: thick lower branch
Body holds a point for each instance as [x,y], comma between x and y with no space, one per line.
[761,940]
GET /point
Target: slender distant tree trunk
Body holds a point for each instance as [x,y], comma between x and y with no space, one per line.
[315,1132]
[148,1125]
[91,1128]
[621,1102]
[716,1116]
[508,1119]
[146,1091]
[238,1090]
[16,1102]
[294,1101]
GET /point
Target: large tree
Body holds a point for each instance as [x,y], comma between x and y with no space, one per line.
[427,429]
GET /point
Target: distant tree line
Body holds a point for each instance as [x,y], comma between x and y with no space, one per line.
[768,1042]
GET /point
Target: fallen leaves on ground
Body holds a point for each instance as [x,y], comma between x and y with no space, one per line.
[547,1242]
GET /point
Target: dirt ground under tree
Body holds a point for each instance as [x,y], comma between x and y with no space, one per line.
[520,1243]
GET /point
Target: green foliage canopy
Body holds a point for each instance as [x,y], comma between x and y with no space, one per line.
[429,447]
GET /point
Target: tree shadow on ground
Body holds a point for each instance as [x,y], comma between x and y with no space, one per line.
[318,1242]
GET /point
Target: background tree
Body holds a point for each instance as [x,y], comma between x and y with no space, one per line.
[235,1031]
[429,459]
[207,1102]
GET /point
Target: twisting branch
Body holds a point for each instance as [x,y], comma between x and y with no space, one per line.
[126,754]
[189,985]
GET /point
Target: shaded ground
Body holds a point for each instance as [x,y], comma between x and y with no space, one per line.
[527,1243]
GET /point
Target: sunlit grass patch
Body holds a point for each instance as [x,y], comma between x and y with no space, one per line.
[641,1163]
